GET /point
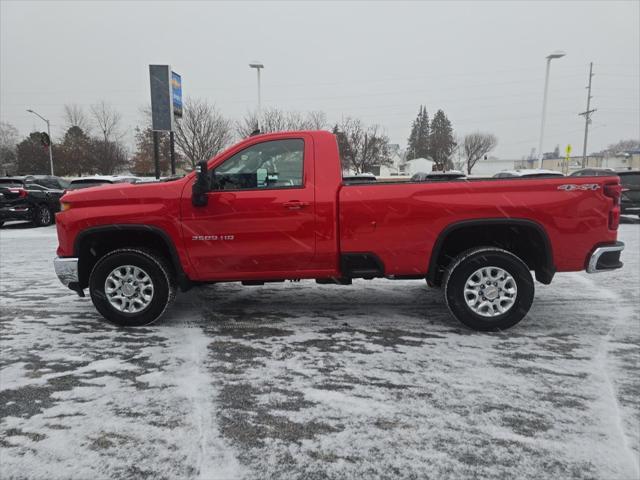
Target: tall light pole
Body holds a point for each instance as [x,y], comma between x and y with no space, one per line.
[556,54]
[48,133]
[258,66]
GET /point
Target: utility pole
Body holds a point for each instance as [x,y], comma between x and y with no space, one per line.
[587,117]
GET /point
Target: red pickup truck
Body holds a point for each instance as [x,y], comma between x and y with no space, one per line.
[275,207]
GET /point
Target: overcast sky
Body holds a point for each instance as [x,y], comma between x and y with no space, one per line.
[481,62]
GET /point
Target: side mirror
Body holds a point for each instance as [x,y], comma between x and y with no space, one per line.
[201,186]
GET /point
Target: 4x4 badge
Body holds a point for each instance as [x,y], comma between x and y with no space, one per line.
[569,187]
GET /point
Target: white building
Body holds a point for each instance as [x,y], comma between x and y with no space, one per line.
[418,165]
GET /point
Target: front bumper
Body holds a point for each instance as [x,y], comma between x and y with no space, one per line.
[67,271]
[605,258]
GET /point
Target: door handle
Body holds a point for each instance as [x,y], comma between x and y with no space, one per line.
[295,205]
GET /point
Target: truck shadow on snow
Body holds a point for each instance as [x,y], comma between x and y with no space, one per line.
[376,304]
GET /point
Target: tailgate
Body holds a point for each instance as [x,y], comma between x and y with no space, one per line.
[10,195]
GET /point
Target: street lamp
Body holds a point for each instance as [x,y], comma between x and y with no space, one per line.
[48,133]
[258,66]
[556,54]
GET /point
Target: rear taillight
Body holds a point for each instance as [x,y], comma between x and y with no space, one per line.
[614,191]
[22,193]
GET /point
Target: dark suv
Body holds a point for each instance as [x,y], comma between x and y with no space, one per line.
[630,200]
[27,199]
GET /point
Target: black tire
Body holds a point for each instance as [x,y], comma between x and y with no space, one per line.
[155,267]
[467,264]
[43,216]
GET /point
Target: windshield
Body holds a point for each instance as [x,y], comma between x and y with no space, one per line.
[10,182]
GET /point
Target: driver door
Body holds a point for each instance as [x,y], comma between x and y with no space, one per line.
[259,221]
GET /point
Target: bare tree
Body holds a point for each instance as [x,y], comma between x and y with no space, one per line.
[75,116]
[276,120]
[202,132]
[316,120]
[108,120]
[476,146]
[108,154]
[361,148]
[621,146]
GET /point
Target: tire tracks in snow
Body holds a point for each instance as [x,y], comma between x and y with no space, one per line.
[609,393]
[212,458]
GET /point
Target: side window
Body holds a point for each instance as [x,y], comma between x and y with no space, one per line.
[267,165]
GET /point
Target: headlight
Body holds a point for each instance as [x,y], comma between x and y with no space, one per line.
[64,206]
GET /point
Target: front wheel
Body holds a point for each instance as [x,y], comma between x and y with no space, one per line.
[488,289]
[131,287]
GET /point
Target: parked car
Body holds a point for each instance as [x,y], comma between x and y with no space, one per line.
[21,199]
[528,172]
[630,200]
[437,176]
[48,181]
[274,207]
[593,172]
[95,181]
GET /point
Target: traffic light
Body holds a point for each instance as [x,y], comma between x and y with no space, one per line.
[44,139]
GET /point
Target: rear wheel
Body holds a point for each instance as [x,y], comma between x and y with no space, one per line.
[488,289]
[43,216]
[131,287]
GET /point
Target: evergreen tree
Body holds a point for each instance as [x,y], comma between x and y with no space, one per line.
[441,141]
[74,153]
[418,142]
[32,156]
[422,146]
[413,139]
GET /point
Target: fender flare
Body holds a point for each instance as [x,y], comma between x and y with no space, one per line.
[544,274]
[182,278]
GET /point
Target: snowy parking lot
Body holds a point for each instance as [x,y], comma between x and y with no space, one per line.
[297,380]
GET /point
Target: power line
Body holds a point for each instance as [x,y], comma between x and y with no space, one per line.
[587,117]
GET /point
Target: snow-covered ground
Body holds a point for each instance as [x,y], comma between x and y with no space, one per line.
[304,381]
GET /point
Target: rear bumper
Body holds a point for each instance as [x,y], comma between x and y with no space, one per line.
[633,209]
[16,212]
[605,258]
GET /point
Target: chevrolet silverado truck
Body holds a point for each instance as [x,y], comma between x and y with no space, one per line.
[275,207]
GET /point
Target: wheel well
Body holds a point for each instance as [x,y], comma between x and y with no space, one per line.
[94,244]
[524,239]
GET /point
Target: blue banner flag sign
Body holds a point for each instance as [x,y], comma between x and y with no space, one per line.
[176,91]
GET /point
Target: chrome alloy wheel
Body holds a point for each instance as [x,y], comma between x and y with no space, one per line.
[490,291]
[44,216]
[129,289]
